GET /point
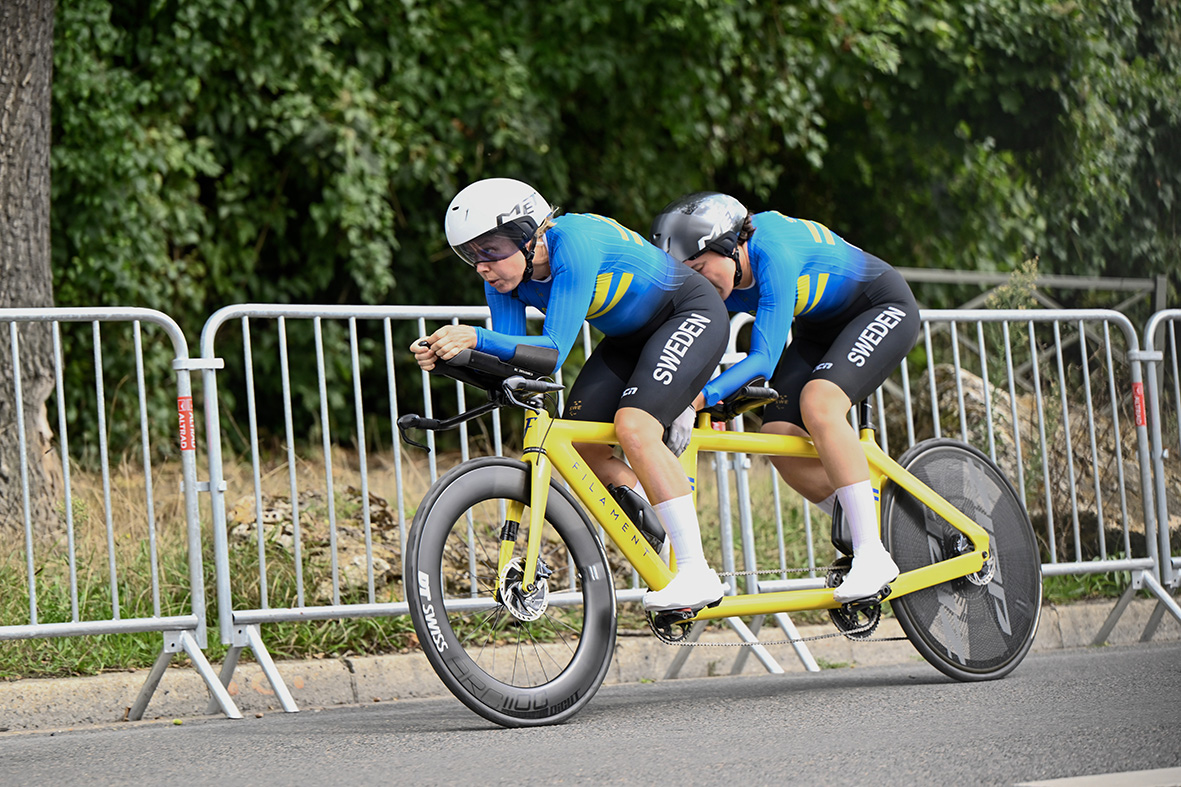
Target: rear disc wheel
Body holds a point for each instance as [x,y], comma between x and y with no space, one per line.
[977,627]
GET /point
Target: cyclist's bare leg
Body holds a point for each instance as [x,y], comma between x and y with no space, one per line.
[603,462]
[806,475]
[641,437]
[825,407]
[825,410]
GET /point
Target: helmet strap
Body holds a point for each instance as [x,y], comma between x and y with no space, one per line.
[528,274]
[737,268]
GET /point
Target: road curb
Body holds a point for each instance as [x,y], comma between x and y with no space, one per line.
[57,703]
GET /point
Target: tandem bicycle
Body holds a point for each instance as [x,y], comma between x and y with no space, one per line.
[513,598]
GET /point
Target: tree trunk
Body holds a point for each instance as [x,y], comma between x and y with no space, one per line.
[26,69]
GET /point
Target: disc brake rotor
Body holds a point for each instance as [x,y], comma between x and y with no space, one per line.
[524,605]
[986,572]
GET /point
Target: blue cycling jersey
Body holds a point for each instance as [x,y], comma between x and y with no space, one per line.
[600,272]
[801,268]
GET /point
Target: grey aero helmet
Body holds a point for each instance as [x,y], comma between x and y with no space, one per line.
[699,222]
[494,218]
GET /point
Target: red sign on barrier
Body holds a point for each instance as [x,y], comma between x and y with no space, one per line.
[1138,404]
[188,428]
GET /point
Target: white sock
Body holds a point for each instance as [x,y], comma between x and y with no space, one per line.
[679,517]
[858,507]
[827,504]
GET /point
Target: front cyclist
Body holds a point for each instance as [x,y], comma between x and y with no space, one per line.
[664,326]
[852,318]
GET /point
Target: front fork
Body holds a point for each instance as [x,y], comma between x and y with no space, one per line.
[509,530]
[540,472]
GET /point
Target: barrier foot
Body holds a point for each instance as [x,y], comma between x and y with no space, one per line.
[136,712]
[760,652]
[219,692]
[789,628]
[254,639]
[1113,618]
[1164,602]
[745,633]
[801,648]
[756,624]
[226,675]
[177,642]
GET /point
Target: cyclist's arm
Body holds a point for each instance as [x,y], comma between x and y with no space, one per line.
[777,296]
[508,327]
[570,295]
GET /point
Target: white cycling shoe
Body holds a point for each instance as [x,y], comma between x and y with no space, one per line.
[872,570]
[693,589]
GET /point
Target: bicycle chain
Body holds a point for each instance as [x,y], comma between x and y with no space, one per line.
[869,625]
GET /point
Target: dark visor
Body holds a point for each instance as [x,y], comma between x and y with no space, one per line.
[504,241]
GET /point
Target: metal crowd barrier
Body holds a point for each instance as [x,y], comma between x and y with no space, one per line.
[1057,397]
[356,346]
[1163,395]
[1080,455]
[84,542]
[1063,414]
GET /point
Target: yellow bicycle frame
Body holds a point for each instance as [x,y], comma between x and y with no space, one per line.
[549,445]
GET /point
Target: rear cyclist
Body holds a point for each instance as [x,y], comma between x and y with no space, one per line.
[664,326]
[852,319]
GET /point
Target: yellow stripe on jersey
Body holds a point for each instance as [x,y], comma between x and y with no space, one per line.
[821,283]
[803,292]
[623,231]
[602,289]
[816,228]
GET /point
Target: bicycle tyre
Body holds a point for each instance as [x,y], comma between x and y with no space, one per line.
[492,662]
[968,630]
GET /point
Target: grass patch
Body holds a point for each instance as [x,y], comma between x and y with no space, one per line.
[134,594]
[1087,587]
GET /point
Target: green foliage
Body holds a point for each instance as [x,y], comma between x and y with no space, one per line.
[1071,588]
[210,152]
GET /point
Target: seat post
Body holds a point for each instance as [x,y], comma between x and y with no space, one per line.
[865,417]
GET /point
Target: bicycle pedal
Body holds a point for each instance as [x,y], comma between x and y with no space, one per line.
[662,624]
[869,602]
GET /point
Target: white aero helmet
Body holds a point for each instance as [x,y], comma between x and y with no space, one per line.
[494,218]
[699,222]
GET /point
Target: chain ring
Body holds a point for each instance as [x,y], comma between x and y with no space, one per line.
[856,632]
[662,624]
[857,623]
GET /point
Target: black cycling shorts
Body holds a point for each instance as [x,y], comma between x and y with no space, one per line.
[660,368]
[857,350]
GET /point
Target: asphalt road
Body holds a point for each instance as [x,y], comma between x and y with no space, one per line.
[1060,714]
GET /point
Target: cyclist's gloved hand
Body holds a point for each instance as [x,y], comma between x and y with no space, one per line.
[676,436]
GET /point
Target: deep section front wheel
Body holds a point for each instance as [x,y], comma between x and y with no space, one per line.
[521,655]
[977,627]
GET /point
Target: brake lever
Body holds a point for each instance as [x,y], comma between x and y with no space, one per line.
[509,388]
[412,421]
[538,387]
